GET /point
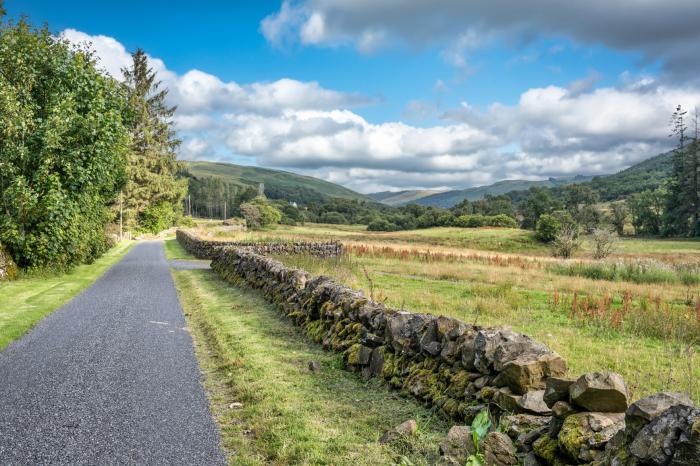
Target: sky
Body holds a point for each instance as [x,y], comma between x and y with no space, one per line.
[406,94]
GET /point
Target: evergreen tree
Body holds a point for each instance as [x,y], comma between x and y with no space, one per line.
[153,189]
[681,215]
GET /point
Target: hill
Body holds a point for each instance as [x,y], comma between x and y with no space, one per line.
[450,198]
[399,198]
[279,184]
[649,174]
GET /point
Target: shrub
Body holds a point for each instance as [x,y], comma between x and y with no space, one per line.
[252,215]
[566,241]
[381,225]
[604,242]
[157,217]
[335,218]
[502,220]
[469,221]
[548,227]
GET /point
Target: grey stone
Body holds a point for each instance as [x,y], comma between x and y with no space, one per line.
[507,400]
[530,371]
[600,391]
[641,412]
[532,402]
[458,445]
[498,450]
[556,389]
[656,443]
[404,429]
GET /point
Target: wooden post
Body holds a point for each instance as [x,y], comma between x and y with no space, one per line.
[121,216]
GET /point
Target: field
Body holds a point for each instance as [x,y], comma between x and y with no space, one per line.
[25,301]
[637,313]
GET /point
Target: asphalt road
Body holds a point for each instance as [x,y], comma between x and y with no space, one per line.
[109,378]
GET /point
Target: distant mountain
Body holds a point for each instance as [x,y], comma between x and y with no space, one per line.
[450,198]
[399,198]
[279,184]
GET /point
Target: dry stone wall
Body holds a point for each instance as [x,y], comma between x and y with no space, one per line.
[547,418]
[208,249]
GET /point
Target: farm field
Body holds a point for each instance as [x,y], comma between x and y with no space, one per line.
[642,321]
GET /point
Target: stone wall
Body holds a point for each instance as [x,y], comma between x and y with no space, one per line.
[548,418]
[8,269]
[208,249]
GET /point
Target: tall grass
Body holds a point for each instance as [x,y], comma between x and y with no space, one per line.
[636,271]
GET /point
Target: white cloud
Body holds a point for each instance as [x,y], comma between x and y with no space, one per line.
[550,131]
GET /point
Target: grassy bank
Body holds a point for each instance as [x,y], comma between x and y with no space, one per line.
[27,300]
[290,415]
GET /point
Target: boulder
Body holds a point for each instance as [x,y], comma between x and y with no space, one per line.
[532,402]
[498,450]
[674,429]
[449,329]
[584,435]
[556,389]
[530,371]
[404,429]
[600,391]
[641,412]
[458,445]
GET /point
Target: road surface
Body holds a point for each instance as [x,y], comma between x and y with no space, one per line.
[109,378]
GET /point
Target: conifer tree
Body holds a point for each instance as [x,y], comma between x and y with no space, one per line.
[153,190]
[681,217]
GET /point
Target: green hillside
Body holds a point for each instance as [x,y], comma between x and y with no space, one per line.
[649,174]
[277,182]
[399,198]
[450,198]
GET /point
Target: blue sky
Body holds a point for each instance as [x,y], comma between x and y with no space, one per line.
[411,94]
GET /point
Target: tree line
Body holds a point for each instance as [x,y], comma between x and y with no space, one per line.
[80,151]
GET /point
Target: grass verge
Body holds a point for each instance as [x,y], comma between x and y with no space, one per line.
[252,355]
[174,251]
[25,301]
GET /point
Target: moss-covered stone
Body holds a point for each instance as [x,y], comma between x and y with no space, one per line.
[547,448]
[8,269]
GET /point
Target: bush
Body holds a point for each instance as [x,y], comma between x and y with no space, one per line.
[157,217]
[469,221]
[604,242]
[252,215]
[547,229]
[566,242]
[381,225]
[335,218]
[502,220]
